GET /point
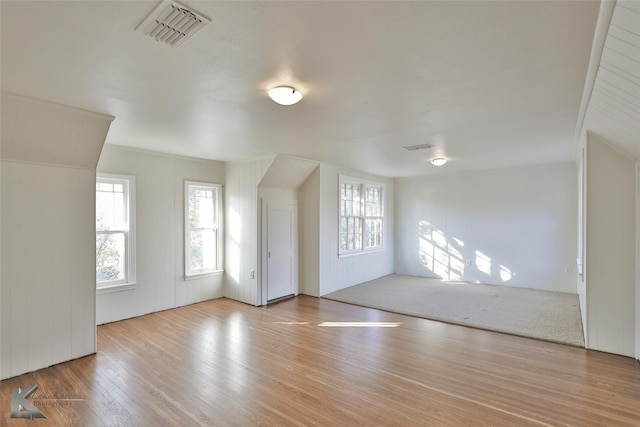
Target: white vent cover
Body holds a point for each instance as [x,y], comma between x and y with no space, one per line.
[172,23]
[418,147]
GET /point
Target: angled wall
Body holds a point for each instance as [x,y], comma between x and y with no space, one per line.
[47,283]
[241,228]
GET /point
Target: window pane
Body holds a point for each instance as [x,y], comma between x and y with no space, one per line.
[357,233]
[357,192]
[111,211]
[374,232]
[203,249]
[201,208]
[374,202]
[110,257]
[104,186]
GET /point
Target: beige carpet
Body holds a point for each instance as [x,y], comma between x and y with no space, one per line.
[550,316]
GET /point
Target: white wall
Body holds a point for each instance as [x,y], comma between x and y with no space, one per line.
[335,272]
[159,233]
[47,269]
[514,227]
[48,266]
[241,230]
[580,276]
[309,234]
[610,248]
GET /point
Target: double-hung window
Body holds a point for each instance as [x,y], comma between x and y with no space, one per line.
[361,215]
[202,228]
[115,231]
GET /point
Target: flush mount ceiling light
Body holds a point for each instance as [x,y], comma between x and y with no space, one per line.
[284,95]
[438,161]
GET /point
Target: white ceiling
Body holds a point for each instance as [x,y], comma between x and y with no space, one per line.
[613,110]
[490,84]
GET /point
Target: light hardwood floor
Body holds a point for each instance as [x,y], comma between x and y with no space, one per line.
[309,361]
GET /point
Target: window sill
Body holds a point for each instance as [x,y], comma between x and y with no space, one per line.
[115,288]
[197,276]
[365,252]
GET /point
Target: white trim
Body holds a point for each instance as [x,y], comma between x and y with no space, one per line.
[130,235]
[115,288]
[60,106]
[51,165]
[363,183]
[637,310]
[204,275]
[188,274]
[263,281]
[362,252]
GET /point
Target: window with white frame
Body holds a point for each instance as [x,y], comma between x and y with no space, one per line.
[115,231]
[202,228]
[361,215]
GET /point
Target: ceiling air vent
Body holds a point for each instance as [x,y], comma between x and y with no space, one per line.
[418,147]
[172,23]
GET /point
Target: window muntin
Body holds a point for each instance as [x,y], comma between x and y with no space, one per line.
[361,215]
[202,234]
[350,217]
[115,255]
[373,217]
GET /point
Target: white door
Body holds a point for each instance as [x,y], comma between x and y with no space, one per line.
[282,257]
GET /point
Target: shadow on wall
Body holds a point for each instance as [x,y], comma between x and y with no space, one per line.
[444,256]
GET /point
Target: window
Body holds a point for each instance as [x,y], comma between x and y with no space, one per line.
[361,215]
[115,237]
[202,228]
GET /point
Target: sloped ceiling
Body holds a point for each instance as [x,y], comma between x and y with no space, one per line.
[613,109]
[490,83]
[43,132]
[288,172]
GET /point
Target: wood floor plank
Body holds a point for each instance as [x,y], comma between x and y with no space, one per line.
[308,361]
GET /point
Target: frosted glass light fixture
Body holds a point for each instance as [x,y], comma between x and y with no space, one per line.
[284,95]
[438,161]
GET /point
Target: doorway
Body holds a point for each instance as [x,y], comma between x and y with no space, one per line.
[280,254]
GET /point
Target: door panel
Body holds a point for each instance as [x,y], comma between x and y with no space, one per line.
[281,250]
